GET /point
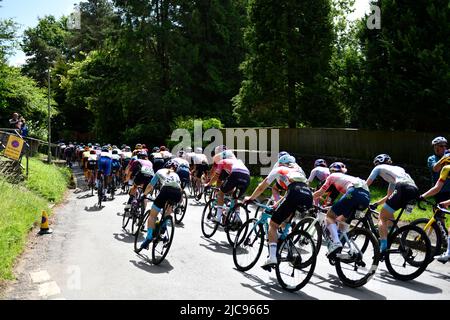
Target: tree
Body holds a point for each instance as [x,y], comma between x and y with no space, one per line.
[407,69]
[286,68]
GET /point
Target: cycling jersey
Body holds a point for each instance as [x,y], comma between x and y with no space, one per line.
[432,160]
[115,164]
[227,154]
[181,162]
[105,163]
[285,176]
[167,178]
[392,175]
[231,165]
[142,167]
[343,182]
[321,173]
[445,173]
[199,158]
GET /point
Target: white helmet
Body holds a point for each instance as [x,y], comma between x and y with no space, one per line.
[198,150]
[188,149]
[382,158]
[438,140]
[220,148]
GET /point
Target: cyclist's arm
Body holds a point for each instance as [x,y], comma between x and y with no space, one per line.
[445,204]
[437,187]
[259,189]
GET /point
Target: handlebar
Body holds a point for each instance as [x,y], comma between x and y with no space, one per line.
[432,204]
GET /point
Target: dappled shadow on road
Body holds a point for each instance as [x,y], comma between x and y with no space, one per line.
[87,195]
[334,284]
[124,237]
[146,265]
[218,247]
[438,275]
[414,285]
[272,289]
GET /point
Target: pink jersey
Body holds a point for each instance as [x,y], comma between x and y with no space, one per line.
[231,165]
[342,182]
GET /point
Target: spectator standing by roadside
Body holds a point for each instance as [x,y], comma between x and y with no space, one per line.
[14,122]
[24,127]
[434,165]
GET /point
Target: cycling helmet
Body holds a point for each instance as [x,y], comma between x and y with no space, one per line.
[115,151]
[155,149]
[198,150]
[138,146]
[438,140]
[220,149]
[86,148]
[382,158]
[127,148]
[180,153]
[338,167]
[286,159]
[282,153]
[171,164]
[92,152]
[188,149]
[89,144]
[320,163]
[162,148]
[105,149]
[142,154]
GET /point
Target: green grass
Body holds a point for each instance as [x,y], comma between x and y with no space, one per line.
[22,205]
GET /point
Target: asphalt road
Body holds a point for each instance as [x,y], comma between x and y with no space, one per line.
[89,256]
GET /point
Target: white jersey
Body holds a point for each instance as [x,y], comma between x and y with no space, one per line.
[199,158]
[181,162]
[189,157]
[321,173]
[391,174]
[167,178]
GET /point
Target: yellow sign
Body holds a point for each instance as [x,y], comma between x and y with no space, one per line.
[14,147]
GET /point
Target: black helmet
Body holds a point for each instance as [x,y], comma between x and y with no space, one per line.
[171,164]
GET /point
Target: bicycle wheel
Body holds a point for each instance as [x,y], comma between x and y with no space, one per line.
[297,257]
[209,225]
[315,231]
[180,209]
[249,244]
[433,233]
[139,235]
[354,266]
[408,252]
[163,240]
[126,219]
[235,221]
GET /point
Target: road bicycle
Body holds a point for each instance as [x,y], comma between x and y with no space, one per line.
[296,251]
[434,227]
[408,248]
[136,212]
[180,208]
[162,235]
[100,187]
[358,260]
[234,214]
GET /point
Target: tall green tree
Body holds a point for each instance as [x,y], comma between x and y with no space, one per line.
[407,72]
[285,71]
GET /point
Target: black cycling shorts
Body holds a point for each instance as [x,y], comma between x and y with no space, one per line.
[200,169]
[167,194]
[298,195]
[237,180]
[403,194]
[143,180]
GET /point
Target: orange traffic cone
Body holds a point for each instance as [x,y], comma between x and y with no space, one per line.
[44,224]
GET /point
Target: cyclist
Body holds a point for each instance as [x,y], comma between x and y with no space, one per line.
[137,149]
[355,196]
[319,173]
[141,171]
[84,157]
[444,177]
[435,166]
[402,190]
[238,178]
[183,169]
[166,155]
[91,166]
[115,164]
[287,175]
[104,167]
[200,167]
[170,191]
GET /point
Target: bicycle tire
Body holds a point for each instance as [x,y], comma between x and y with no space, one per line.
[249,234]
[100,193]
[209,225]
[180,210]
[290,255]
[163,239]
[140,228]
[365,265]
[126,219]
[316,232]
[407,239]
[433,233]
[231,229]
